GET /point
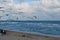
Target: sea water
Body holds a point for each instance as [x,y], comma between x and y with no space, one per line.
[45,27]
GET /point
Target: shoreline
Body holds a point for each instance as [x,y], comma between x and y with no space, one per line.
[14,35]
[33,33]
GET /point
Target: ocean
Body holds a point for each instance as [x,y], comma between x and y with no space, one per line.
[44,27]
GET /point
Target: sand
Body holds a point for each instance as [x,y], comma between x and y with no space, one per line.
[12,35]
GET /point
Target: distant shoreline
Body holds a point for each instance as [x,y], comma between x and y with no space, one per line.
[28,20]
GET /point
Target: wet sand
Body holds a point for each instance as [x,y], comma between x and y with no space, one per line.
[13,35]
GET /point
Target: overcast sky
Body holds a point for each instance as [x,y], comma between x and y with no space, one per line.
[35,10]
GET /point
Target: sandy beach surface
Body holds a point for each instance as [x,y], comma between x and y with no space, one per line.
[12,35]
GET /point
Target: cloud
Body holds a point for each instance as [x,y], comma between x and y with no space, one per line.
[35,10]
[46,9]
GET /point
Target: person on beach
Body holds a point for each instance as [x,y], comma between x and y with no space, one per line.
[3,32]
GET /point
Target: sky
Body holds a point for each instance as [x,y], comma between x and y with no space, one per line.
[33,10]
[17,1]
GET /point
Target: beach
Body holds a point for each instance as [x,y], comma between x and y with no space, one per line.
[13,35]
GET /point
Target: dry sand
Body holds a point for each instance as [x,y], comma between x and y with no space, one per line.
[12,35]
